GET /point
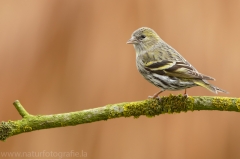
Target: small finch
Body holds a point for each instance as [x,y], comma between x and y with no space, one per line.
[163,66]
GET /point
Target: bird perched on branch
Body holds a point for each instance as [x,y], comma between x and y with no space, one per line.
[163,66]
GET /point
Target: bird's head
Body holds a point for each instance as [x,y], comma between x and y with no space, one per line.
[144,38]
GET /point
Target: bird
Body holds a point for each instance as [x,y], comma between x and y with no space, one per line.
[163,66]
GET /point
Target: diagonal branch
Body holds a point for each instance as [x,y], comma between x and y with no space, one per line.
[150,108]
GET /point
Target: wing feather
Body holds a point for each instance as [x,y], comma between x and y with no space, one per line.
[175,69]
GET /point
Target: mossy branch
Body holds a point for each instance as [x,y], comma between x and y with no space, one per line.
[150,108]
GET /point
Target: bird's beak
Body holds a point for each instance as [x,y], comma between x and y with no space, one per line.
[133,40]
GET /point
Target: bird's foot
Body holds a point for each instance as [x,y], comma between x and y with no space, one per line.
[185,95]
[154,97]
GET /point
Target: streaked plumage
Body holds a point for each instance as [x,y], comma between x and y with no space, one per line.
[163,66]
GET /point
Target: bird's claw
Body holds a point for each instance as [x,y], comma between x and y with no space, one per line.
[185,95]
[154,97]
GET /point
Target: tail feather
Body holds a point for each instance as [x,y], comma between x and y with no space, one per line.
[208,86]
[207,77]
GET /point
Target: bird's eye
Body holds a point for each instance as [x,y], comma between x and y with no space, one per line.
[142,37]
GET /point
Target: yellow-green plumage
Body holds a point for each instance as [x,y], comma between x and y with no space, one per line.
[163,66]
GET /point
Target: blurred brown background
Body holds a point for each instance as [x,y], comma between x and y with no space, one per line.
[61,56]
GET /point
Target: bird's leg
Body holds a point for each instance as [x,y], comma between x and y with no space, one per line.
[156,94]
[185,93]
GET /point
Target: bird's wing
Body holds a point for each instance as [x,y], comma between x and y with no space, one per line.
[166,60]
[175,69]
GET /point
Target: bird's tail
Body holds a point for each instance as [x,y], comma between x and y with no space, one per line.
[208,86]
